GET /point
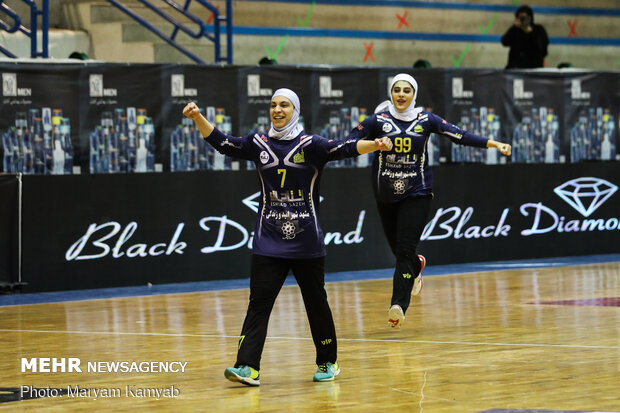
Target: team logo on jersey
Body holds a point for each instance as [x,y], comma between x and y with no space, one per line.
[299,157]
[387,127]
[418,129]
[400,186]
[264,157]
[290,229]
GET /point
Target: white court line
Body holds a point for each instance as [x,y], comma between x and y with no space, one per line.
[404,391]
[466,343]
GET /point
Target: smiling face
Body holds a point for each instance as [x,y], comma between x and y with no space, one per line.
[402,95]
[281,111]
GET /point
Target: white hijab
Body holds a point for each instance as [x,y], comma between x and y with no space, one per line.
[292,129]
[411,112]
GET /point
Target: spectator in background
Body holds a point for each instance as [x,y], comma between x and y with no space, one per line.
[421,64]
[527,41]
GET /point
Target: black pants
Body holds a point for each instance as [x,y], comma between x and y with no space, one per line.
[266,278]
[403,224]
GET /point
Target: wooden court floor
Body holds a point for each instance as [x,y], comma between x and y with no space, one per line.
[470,343]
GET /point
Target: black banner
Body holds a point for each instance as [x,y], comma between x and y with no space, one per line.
[214,90]
[474,104]
[510,212]
[592,108]
[535,116]
[9,230]
[164,228]
[40,118]
[120,118]
[124,118]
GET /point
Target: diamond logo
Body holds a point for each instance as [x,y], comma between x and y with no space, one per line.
[586,194]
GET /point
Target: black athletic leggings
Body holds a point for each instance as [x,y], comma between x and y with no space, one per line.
[266,278]
[403,223]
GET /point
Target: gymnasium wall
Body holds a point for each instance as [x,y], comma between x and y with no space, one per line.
[365,32]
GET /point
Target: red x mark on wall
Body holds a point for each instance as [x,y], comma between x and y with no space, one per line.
[402,20]
[369,51]
[212,15]
[573,26]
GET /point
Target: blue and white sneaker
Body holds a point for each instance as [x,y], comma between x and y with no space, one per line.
[243,374]
[326,372]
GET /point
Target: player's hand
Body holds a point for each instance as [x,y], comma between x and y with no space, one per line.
[383,144]
[505,148]
[191,110]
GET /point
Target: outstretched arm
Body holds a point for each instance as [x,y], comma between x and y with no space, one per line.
[379,144]
[504,148]
[467,138]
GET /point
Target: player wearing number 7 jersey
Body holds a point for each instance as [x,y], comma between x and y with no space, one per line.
[287,234]
[403,181]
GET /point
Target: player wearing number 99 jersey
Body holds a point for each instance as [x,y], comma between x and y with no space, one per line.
[403,182]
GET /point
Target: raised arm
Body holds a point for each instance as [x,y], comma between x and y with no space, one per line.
[204,126]
[331,150]
[224,144]
[511,35]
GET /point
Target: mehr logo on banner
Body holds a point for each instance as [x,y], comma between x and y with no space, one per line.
[96,88]
[325,88]
[584,194]
[254,89]
[518,90]
[458,89]
[328,95]
[575,90]
[97,239]
[9,86]
[177,87]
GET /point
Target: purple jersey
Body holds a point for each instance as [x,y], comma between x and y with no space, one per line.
[403,172]
[287,225]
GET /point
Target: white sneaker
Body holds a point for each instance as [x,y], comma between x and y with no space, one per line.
[418,283]
[396,316]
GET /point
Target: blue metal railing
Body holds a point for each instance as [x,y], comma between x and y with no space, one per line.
[203,30]
[17,25]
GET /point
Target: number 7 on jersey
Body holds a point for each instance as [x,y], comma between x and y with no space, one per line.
[283,172]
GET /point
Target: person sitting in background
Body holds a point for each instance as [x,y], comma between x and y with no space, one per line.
[527,41]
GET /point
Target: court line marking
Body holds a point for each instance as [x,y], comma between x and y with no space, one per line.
[403,391]
[371,340]
[422,391]
[114,293]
